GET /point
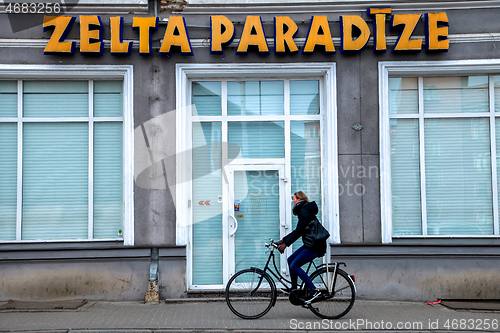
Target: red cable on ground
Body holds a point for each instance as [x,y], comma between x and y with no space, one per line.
[436,302]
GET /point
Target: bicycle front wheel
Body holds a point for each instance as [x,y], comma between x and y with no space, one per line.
[337,302]
[250,293]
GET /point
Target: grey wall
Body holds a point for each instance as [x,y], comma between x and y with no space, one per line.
[422,273]
[112,274]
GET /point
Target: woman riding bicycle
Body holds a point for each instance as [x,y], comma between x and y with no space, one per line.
[306,212]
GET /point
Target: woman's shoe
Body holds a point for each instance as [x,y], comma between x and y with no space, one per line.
[312,296]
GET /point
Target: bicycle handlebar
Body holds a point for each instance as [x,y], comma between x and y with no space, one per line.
[271,244]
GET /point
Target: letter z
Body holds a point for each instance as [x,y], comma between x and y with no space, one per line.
[62,26]
[409,21]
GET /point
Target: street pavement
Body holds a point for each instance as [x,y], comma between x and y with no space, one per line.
[214,316]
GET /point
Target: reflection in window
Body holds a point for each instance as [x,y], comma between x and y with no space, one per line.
[304,97]
[255,98]
[207,98]
[257,139]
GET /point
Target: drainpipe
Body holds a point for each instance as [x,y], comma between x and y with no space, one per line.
[152,296]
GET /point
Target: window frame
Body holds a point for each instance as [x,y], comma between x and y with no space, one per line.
[185,73]
[88,73]
[421,69]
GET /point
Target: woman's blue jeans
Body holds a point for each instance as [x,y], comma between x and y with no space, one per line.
[299,258]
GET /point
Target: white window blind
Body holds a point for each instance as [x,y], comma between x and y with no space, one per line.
[458,177]
[108,179]
[405,156]
[108,98]
[207,98]
[306,164]
[72,174]
[8,180]
[257,139]
[441,155]
[8,99]
[207,186]
[304,97]
[253,98]
[55,181]
[56,99]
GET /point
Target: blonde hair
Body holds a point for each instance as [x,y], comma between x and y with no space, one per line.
[301,196]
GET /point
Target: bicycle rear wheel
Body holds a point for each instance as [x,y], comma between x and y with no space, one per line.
[250,293]
[337,303]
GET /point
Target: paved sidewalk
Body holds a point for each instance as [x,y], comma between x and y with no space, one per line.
[198,316]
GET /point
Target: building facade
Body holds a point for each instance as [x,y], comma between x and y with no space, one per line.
[162,140]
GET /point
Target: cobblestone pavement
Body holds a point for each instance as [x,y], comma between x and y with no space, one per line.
[214,317]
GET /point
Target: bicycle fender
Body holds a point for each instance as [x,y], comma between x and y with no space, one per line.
[350,278]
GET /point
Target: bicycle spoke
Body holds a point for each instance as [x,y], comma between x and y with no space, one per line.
[250,294]
[337,303]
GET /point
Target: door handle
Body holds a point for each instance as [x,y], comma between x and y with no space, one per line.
[235,224]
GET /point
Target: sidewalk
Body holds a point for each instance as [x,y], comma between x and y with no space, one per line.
[199,316]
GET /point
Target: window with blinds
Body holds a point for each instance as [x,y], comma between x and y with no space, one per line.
[257,118]
[61,171]
[444,146]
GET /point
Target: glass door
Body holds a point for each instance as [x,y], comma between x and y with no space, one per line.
[256,213]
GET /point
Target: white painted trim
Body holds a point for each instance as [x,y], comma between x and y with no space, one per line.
[421,141]
[441,115]
[128,155]
[420,68]
[19,213]
[88,72]
[253,70]
[90,227]
[275,118]
[62,72]
[323,6]
[494,176]
[70,240]
[330,185]
[445,236]
[198,43]
[385,154]
[61,120]
[261,161]
[110,7]
[287,223]
[112,2]
[183,163]
[320,2]
[229,255]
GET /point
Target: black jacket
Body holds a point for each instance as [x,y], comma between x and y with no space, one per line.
[306,212]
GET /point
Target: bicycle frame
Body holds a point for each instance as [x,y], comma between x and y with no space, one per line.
[276,273]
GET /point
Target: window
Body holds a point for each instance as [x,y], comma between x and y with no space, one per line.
[246,117]
[63,168]
[440,137]
[260,134]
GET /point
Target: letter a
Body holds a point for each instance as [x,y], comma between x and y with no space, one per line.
[314,37]
[253,23]
[176,23]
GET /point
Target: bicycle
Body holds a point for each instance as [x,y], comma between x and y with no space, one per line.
[252,292]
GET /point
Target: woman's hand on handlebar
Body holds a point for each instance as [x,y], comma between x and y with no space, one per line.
[282,247]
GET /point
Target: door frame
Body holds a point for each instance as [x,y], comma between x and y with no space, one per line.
[229,228]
